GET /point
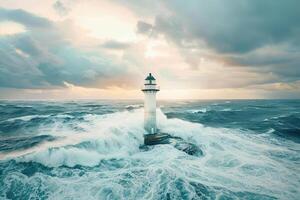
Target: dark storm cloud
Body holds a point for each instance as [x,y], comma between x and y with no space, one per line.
[143,27]
[41,69]
[284,64]
[61,8]
[236,30]
[25,18]
[42,57]
[27,44]
[231,26]
[113,44]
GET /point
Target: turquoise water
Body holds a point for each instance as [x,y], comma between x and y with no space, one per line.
[91,150]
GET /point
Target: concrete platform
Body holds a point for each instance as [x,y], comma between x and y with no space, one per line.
[177,142]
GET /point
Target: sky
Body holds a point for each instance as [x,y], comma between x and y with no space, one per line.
[103,49]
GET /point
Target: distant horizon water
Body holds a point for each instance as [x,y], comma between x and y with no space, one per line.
[141,99]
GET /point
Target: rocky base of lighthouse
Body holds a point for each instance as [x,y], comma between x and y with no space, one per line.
[177,142]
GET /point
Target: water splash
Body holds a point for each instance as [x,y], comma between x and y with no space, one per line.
[101,159]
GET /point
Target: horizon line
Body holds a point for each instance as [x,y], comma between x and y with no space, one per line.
[141,99]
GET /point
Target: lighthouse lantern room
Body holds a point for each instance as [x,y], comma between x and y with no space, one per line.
[150,89]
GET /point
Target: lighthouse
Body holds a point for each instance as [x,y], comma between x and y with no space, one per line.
[150,89]
[153,136]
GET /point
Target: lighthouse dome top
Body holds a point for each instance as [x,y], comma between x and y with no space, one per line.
[150,77]
[150,84]
[150,80]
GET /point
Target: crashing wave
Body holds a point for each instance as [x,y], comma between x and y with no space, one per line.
[104,160]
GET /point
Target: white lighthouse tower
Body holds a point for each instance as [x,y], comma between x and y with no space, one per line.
[150,89]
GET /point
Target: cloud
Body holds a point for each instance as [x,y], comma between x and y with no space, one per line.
[260,36]
[214,45]
[143,27]
[25,18]
[277,60]
[61,8]
[113,44]
[231,26]
[51,59]
[10,28]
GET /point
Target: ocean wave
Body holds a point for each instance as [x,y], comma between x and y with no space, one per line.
[134,106]
[26,118]
[103,160]
[8,144]
[226,109]
[271,130]
[202,110]
[105,133]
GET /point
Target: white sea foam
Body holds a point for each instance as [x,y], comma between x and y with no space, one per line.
[226,109]
[27,117]
[202,110]
[271,130]
[231,156]
[103,136]
[134,106]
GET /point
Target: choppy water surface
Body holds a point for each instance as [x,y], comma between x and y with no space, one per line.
[90,150]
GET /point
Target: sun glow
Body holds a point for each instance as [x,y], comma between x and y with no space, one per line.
[105,20]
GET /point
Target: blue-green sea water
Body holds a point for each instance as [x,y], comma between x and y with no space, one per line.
[91,150]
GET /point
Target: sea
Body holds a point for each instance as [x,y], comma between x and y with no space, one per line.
[91,149]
